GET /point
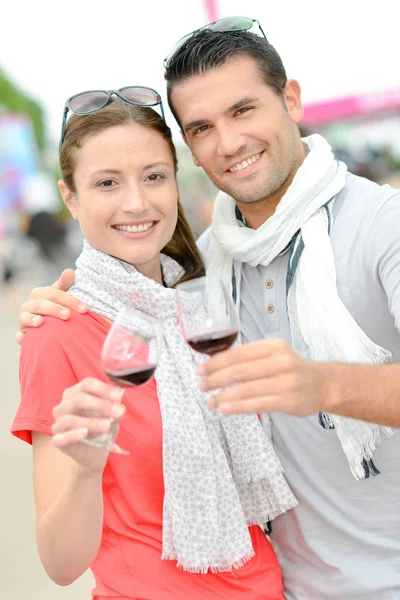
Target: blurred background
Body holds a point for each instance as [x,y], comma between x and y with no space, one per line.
[344,54]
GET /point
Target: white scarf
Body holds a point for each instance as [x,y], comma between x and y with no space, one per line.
[322,327]
[220,475]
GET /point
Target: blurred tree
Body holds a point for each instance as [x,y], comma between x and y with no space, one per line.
[13,100]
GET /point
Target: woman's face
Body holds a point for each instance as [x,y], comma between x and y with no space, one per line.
[126,195]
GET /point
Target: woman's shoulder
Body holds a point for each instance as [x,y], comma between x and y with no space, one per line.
[60,332]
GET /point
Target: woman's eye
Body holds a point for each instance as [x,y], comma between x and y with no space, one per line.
[106,183]
[155,177]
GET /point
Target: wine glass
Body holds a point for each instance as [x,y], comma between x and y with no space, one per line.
[207,314]
[129,358]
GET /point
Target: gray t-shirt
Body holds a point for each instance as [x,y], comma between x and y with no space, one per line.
[343,540]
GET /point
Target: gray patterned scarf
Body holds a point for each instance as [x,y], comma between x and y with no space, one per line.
[220,474]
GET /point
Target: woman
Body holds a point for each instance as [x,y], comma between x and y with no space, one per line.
[192,485]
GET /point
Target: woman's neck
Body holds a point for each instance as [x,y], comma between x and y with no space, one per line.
[153,271]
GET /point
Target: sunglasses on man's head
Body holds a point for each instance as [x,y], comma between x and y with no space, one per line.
[225,24]
[89,102]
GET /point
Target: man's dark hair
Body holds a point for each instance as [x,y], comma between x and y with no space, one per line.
[206,50]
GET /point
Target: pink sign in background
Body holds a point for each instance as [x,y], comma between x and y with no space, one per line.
[375,103]
[211,8]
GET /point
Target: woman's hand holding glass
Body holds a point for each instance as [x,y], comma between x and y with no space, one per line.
[90,411]
[89,408]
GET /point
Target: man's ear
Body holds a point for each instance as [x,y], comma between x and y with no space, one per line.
[68,198]
[292,95]
[186,142]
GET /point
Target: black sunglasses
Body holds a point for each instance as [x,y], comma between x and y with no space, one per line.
[225,24]
[89,102]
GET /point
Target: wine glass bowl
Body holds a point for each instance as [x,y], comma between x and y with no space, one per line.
[130,351]
[129,358]
[207,314]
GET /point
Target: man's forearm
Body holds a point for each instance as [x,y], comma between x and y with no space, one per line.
[366,392]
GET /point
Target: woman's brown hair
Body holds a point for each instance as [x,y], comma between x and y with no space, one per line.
[182,247]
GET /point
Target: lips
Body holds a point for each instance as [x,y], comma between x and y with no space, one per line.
[245,163]
[135,228]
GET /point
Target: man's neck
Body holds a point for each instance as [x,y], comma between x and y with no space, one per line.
[258,213]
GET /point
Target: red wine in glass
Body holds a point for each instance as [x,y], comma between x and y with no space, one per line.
[207,314]
[132,377]
[129,358]
[211,343]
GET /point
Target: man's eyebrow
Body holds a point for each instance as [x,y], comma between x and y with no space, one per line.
[193,124]
[239,104]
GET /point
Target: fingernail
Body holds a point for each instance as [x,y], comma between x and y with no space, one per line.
[117,410]
[224,408]
[36,321]
[211,403]
[64,313]
[82,308]
[19,337]
[201,370]
[202,386]
[117,393]
[83,432]
[105,424]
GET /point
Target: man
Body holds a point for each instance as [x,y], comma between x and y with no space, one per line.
[312,255]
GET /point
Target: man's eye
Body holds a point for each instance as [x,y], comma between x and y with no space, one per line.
[243,110]
[200,129]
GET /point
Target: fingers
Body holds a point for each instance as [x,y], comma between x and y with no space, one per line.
[65,281]
[61,440]
[74,422]
[260,370]
[89,407]
[32,311]
[252,405]
[283,386]
[19,336]
[242,354]
[91,398]
[56,296]
[48,301]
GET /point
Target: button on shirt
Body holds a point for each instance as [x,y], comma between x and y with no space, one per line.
[343,539]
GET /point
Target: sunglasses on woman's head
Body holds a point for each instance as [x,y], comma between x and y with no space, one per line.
[225,24]
[89,102]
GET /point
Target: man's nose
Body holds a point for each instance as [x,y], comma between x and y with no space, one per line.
[229,141]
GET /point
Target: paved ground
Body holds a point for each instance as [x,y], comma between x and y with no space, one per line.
[21,574]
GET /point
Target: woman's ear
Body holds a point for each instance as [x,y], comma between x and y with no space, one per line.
[68,198]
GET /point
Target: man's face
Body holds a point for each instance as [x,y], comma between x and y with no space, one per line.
[239,130]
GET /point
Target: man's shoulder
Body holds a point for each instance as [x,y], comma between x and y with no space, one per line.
[364,196]
[204,240]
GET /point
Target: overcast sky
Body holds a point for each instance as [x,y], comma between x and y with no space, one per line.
[53,49]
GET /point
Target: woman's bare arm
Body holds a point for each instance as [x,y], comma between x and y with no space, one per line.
[68,479]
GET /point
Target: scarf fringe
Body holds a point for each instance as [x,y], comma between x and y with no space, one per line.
[363,467]
[220,568]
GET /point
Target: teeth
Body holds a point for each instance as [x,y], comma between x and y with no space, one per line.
[135,228]
[246,163]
